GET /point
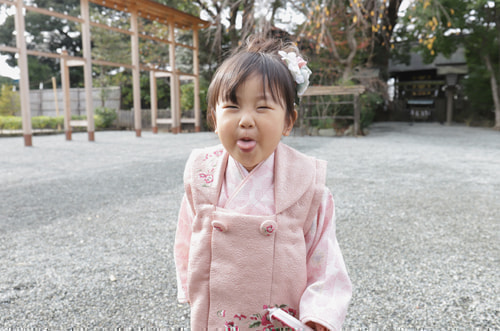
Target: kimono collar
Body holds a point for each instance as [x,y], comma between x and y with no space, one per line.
[294,174]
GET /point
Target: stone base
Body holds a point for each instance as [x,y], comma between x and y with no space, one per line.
[27,140]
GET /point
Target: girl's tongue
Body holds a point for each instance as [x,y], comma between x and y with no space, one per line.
[246,145]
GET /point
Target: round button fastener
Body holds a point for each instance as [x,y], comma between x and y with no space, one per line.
[267,228]
[219,226]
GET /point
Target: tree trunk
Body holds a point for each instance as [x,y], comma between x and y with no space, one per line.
[497,106]
[494,91]
[233,34]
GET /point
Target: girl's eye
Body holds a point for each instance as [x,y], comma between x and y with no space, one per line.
[230,107]
[263,108]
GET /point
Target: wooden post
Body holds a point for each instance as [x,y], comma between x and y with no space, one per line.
[54,88]
[154,101]
[65,92]
[24,86]
[87,68]
[174,82]
[40,99]
[449,105]
[357,114]
[136,71]
[196,71]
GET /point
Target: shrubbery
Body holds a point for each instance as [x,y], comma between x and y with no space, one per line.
[10,123]
[370,101]
[103,119]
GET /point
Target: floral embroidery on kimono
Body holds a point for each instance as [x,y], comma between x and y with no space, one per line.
[260,321]
[208,175]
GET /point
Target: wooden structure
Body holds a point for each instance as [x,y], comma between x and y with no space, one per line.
[354,90]
[426,91]
[147,9]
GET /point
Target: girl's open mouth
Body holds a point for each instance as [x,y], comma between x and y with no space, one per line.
[246,144]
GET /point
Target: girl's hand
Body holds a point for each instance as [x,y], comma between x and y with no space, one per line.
[316,326]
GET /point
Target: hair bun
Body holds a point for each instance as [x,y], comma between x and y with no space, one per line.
[258,44]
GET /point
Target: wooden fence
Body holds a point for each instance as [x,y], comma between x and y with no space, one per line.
[44,103]
[306,108]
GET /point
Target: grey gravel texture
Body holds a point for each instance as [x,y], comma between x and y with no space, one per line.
[87,229]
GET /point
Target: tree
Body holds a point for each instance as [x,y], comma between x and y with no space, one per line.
[9,101]
[441,26]
[349,33]
[47,34]
[224,26]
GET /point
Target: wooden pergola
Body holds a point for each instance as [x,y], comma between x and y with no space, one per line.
[146,9]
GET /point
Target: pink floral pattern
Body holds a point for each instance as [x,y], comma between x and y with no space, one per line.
[269,230]
[260,321]
[207,176]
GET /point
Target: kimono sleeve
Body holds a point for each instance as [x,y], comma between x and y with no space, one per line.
[183,234]
[181,249]
[328,292]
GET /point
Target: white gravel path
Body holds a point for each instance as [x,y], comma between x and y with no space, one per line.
[86,229]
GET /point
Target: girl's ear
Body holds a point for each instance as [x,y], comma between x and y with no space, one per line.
[289,126]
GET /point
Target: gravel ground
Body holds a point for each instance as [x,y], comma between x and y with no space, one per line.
[86,229]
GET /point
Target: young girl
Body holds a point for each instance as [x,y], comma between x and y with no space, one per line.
[256,227]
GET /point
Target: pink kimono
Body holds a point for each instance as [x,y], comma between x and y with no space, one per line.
[249,241]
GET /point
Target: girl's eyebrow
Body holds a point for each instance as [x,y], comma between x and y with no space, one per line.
[263,96]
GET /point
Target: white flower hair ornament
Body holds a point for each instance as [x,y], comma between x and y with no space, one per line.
[299,70]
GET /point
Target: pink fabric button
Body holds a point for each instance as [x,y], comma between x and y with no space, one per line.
[267,228]
[219,226]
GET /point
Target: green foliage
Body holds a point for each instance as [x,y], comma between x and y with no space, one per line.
[101,121]
[7,81]
[106,117]
[10,123]
[40,122]
[370,101]
[187,96]
[431,23]
[37,122]
[477,87]
[124,79]
[9,100]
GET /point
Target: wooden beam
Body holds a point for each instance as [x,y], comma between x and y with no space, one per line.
[136,74]
[87,68]
[53,13]
[9,49]
[174,83]
[334,90]
[111,28]
[66,99]
[155,11]
[113,64]
[24,86]
[154,101]
[196,71]
[357,114]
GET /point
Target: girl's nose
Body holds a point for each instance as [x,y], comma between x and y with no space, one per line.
[247,120]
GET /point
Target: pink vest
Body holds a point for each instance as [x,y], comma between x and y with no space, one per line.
[241,264]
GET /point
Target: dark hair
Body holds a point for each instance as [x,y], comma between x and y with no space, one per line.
[256,56]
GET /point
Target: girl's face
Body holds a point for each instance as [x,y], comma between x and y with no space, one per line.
[251,128]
